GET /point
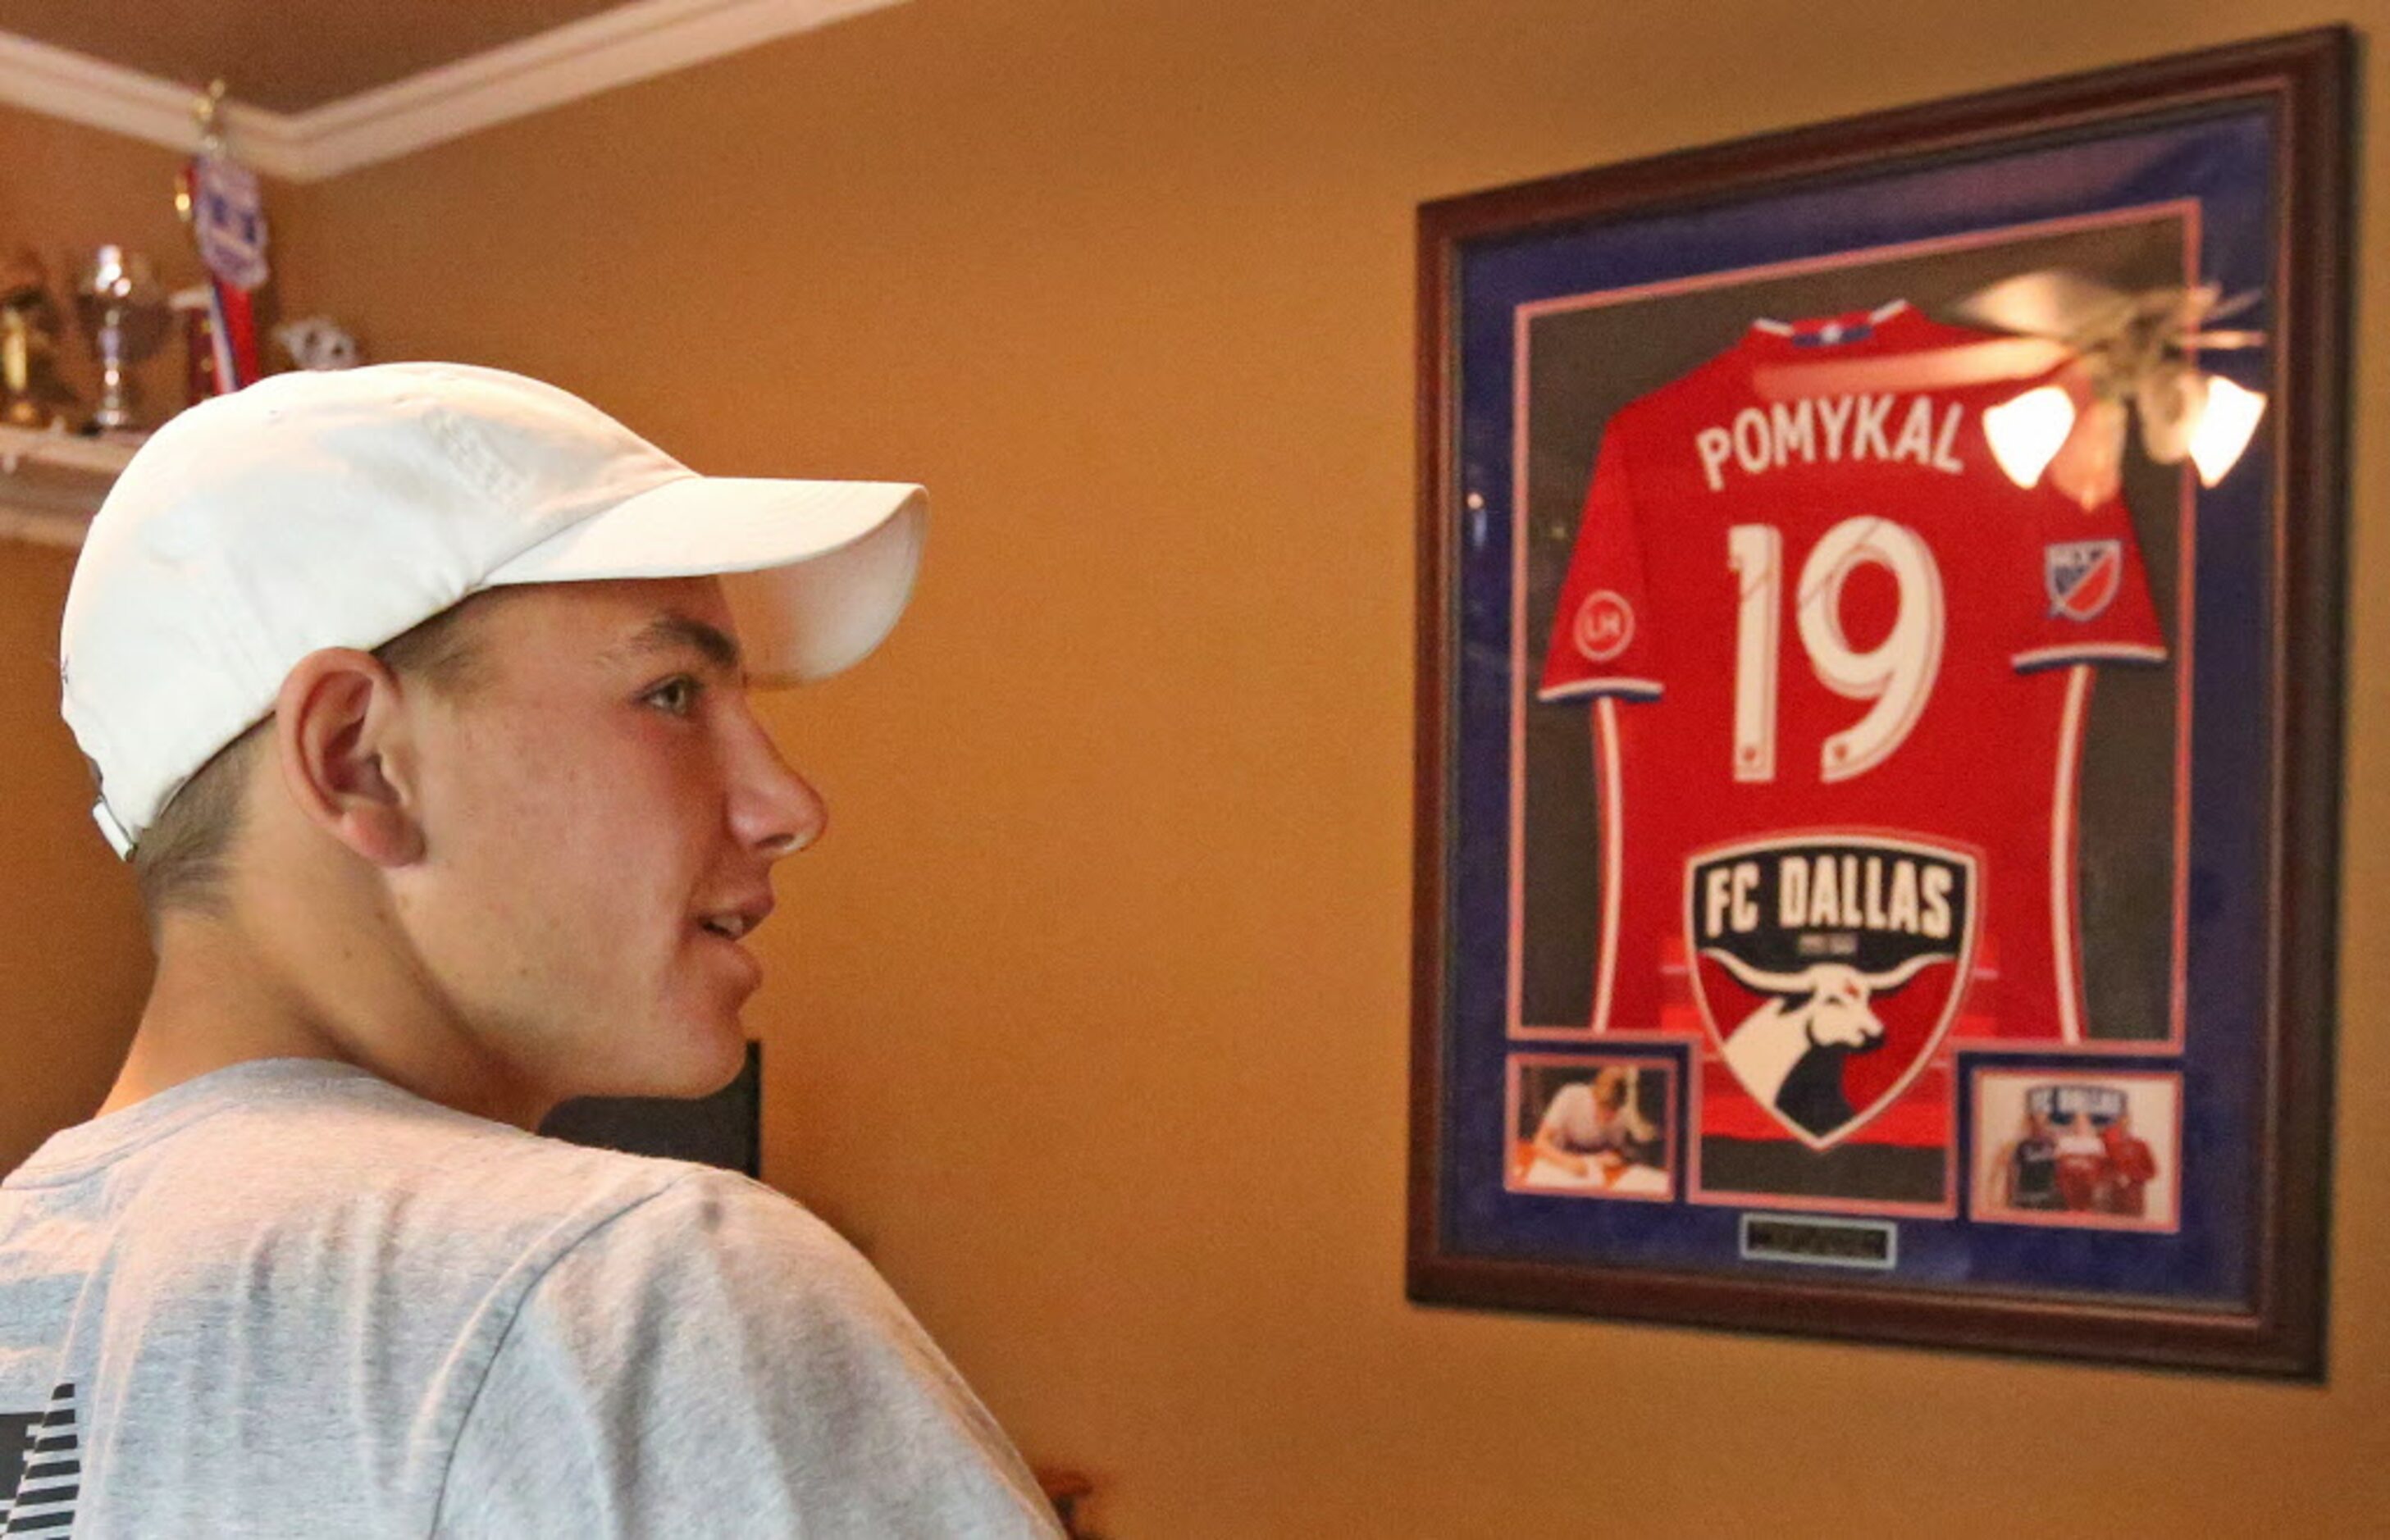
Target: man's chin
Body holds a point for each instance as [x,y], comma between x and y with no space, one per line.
[717,1072]
[695,1057]
[707,1057]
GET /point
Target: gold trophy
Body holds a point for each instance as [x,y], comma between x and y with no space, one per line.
[31,394]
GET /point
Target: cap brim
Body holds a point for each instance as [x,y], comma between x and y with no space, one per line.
[816,572]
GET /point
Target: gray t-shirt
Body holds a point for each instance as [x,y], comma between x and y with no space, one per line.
[287,1299]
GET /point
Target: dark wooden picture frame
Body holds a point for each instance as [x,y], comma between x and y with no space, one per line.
[2244,1090]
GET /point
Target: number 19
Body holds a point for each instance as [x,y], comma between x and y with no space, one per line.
[1896,674]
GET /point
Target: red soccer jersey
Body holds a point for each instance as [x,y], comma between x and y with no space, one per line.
[2131,1168]
[1832,645]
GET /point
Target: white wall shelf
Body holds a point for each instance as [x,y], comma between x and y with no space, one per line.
[51,484]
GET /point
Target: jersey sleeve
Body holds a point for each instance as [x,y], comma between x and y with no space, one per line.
[716,1360]
[2085,594]
[1601,641]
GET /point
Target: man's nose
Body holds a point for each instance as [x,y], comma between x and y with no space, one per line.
[774,811]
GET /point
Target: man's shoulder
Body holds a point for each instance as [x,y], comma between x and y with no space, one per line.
[364,1133]
[371,1176]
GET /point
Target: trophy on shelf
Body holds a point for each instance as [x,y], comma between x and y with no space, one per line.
[123,309]
[31,395]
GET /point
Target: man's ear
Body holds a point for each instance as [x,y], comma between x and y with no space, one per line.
[341,735]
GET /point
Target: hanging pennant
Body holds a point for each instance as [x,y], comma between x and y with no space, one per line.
[221,200]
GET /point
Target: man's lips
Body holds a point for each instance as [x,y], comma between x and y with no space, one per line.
[734,920]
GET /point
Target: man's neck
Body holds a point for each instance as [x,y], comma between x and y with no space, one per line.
[209,1008]
[216,1001]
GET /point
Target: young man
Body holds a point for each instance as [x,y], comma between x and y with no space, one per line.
[417,697]
[2026,1175]
[2131,1166]
[1593,1128]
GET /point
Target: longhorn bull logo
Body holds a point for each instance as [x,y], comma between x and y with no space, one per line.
[1800,943]
[1788,1053]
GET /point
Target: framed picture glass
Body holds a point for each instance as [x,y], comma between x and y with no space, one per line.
[1878,723]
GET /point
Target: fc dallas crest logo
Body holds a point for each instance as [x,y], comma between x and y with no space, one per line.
[1829,966]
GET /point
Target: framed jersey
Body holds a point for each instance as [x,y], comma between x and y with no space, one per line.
[1879,700]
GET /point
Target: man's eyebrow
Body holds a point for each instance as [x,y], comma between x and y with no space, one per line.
[671,631]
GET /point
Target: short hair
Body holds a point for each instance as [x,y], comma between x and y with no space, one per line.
[180,861]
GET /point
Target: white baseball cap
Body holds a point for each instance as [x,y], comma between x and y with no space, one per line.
[342,508]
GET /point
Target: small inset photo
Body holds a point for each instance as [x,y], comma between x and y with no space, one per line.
[1592,1128]
[2062,1147]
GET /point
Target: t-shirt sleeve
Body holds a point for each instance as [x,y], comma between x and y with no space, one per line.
[2083,595]
[1600,640]
[714,1361]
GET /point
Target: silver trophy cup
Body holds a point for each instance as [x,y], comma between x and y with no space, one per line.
[123,309]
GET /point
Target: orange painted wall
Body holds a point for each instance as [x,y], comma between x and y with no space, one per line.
[76,963]
[1089,1020]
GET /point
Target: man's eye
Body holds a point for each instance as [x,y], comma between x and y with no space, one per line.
[676,695]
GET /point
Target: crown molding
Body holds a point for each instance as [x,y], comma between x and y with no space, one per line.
[60,83]
[581,59]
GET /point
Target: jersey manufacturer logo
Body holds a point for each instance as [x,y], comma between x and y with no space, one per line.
[2083,576]
[1604,624]
[1831,334]
[1829,966]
